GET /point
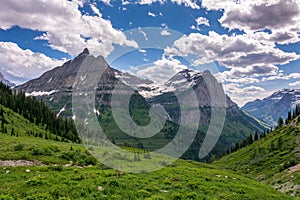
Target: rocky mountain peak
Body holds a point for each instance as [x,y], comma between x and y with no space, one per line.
[85,51]
[274,106]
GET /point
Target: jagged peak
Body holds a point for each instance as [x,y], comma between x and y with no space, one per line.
[85,51]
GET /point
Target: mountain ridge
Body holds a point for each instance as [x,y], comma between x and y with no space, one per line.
[55,88]
[274,106]
[5,81]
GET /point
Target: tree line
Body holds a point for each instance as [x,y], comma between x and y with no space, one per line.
[292,114]
[37,112]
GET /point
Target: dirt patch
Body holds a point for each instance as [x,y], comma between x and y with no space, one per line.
[294,168]
[19,163]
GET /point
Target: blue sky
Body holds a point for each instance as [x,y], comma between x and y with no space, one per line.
[252,47]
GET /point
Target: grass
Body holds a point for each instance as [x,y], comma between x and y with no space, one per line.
[89,179]
[180,180]
[269,159]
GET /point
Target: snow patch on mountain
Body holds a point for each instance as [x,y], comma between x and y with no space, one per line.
[40,93]
[181,81]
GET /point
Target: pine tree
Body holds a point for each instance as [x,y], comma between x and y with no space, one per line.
[12,133]
[256,136]
[280,122]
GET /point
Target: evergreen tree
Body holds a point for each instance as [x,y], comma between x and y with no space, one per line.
[12,133]
[280,122]
[256,136]
[249,140]
[35,111]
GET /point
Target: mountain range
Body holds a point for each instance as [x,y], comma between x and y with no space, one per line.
[55,87]
[277,105]
[5,81]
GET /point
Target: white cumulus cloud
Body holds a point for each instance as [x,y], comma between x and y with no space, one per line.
[21,65]
[295,84]
[280,16]
[188,3]
[161,70]
[66,28]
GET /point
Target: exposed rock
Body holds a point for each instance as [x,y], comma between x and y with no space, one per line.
[100,188]
[277,105]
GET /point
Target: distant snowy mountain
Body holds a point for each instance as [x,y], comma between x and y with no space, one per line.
[5,81]
[277,105]
[183,80]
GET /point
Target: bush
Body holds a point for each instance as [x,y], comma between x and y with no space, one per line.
[191,195]
[36,181]
[39,196]
[241,191]
[79,157]
[57,168]
[143,193]
[37,151]
[6,197]
[113,183]
[19,147]
[176,196]
[147,156]
[193,185]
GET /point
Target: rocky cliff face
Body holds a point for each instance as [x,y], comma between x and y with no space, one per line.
[55,87]
[277,105]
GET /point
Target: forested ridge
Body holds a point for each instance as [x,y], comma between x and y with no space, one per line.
[37,112]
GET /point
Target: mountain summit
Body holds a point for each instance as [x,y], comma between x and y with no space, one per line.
[55,87]
[277,105]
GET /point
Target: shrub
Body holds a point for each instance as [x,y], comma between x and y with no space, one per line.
[193,185]
[79,157]
[164,163]
[176,196]
[6,197]
[143,193]
[39,196]
[113,183]
[191,195]
[241,191]
[19,147]
[57,168]
[35,181]
[37,151]
[147,156]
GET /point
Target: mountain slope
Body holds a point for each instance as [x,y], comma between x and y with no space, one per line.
[274,160]
[5,81]
[35,112]
[57,178]
[277,105]
[55,88]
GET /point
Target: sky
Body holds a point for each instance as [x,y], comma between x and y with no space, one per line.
[252,47]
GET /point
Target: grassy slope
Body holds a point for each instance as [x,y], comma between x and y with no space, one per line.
[182,180]
[21,125]
[270,160]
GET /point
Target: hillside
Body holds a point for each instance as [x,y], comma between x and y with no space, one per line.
[38,164]
[51,175]
[34,112]
[274,160]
